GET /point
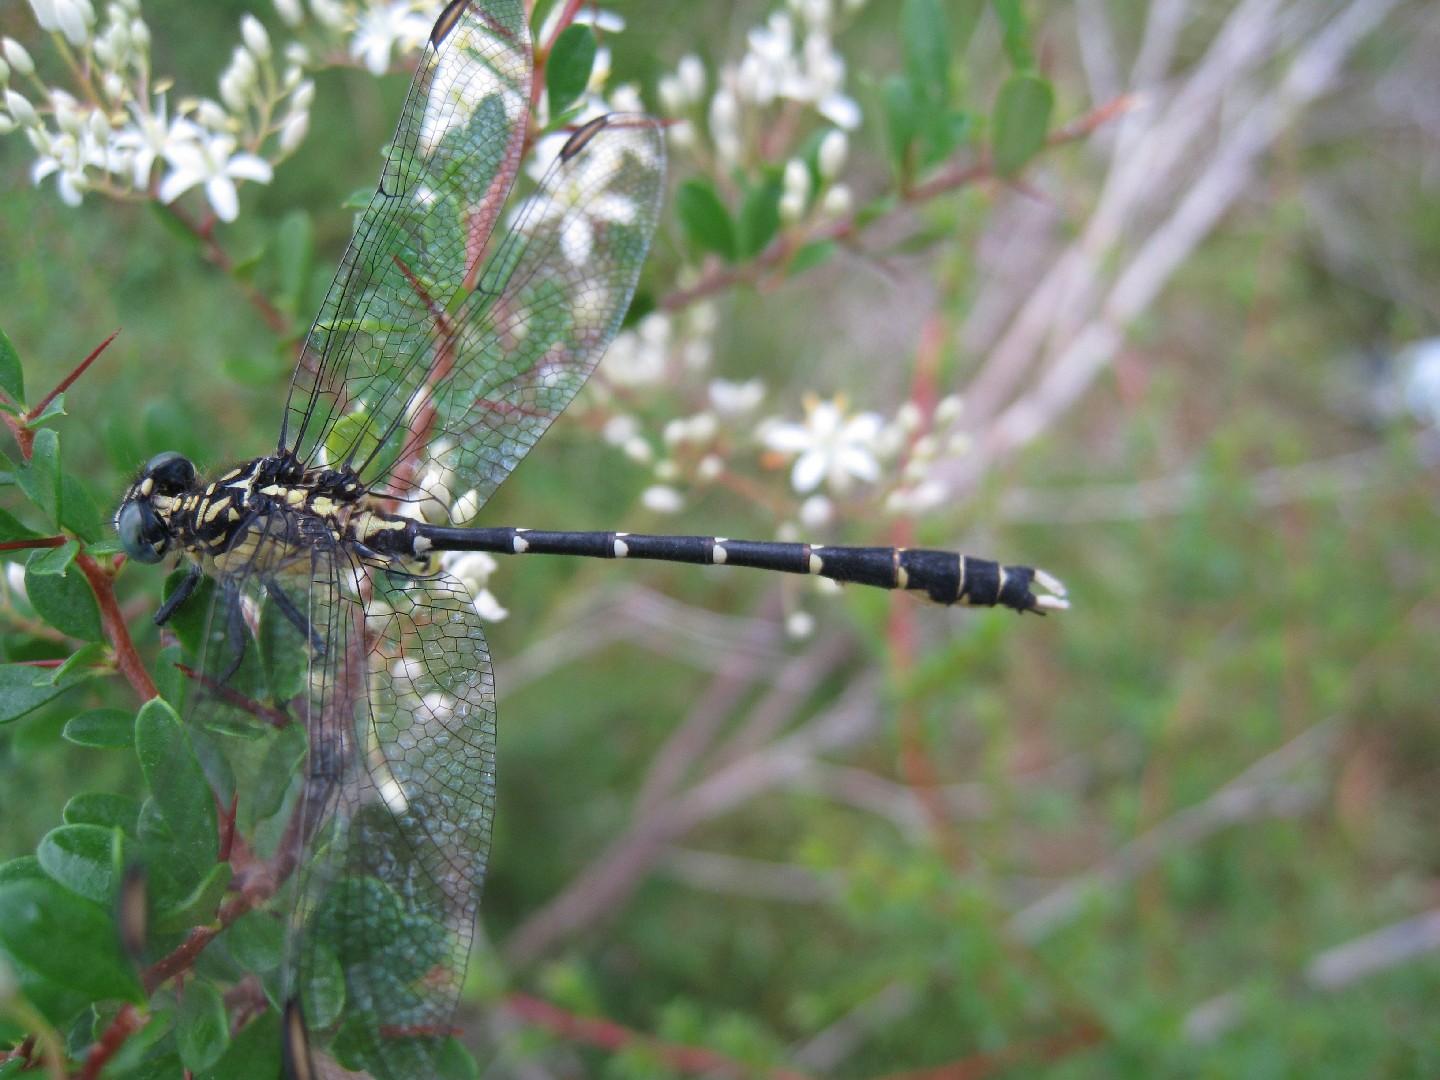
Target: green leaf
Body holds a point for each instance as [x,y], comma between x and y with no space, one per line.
[284,653]
[202,1029]
[104,809]
[65,940]
[1021,122]
[294,251]
[179,789]
[104,729]
[202,903]
[1016,29]
[926,39]
[322,994]
[253,1052]
[56,560]
[12,378]
[811,256]
[704,218]
[568,67]
[902,118]
[12,529]
[23,689]
[79,512]
[40,479]
[64,601]
[759,217]
[257,941]
[82,858]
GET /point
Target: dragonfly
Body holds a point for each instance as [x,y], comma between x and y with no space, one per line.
[315,596]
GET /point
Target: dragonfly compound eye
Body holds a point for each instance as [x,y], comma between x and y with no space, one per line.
[142,534]
[171,472]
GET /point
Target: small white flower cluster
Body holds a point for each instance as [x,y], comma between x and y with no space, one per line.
[790,60]
[114,134]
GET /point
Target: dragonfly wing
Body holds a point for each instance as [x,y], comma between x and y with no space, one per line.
[449,171]
[547,305]
[405,850]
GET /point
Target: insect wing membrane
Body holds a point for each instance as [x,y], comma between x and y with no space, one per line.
[420,242]
[548,303]
[400,862]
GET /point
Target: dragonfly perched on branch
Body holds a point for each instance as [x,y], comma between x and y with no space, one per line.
[316,599]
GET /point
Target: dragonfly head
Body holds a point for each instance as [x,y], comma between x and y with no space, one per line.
[144,530]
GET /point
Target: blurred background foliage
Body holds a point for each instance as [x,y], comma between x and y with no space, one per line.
[1186,829]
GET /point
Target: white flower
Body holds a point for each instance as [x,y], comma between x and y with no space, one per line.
[395,27]
[732,399]
[831,447]
[605,21]
[816,512]
[290,12]
[213,162]
[73,18]
[252,31]
[151,136]
[831,156]
[662,499]
[799,624]
[473,569]
[19,59]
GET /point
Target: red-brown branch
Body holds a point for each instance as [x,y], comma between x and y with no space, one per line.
[608,1035]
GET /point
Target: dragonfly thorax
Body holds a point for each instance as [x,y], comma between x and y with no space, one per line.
[261,512]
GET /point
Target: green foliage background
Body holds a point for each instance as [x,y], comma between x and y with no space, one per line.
[1228,749]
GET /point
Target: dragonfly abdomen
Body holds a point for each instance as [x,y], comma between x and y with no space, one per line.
[943,577]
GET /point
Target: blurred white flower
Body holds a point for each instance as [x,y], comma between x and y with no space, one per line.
[213,162]
[73,18]
[732,399]
[834,148]
[395,27]
[816,512]
[473,570]
[18,57]
[637,356]
[662,499]
[831,447]
[799,624]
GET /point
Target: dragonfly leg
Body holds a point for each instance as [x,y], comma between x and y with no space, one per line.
[180,595]
[295,616]
[235,631]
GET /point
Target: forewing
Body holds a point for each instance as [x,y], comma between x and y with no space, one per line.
[449,171]
[548,303]
[407,846]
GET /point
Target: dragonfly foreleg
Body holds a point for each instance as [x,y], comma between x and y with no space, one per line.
[180,595]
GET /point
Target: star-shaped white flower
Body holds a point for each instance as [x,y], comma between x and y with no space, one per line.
[832,447]
[395,27]
[211,160]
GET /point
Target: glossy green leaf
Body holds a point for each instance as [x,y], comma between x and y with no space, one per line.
[104,729]
[11,528]
[23,688]
[12,378]
[257,941]
[55,560]
[104,809]
[322,995]
[202,1029]
[79,512]
[64,939]
[704,218]
[759,217]
[65,601]
[40,478]
[1021,122]
[179,789]
[568,67]
[82,858]
[200,905]
[254,1052]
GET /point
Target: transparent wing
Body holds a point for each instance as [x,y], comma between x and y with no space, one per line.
[395,878]
[548,303]
[449,171]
